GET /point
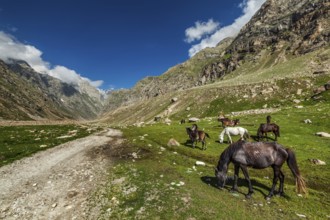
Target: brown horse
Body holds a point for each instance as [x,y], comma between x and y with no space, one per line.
[228,122]
[258,155]
[196,135]
[269,127]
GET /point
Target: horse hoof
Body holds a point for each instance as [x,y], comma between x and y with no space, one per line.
[248,196]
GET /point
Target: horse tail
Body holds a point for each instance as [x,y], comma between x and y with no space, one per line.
[278,131]
[292,163]
[207,135]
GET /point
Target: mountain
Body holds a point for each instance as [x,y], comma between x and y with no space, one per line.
[28,95]
[284,39]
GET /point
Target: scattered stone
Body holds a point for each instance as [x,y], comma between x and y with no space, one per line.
[299,106]
[193,119]
[322,134]
[43,146]
[172,142]
[54,205]
[317,161]
[301,215]
[188,109]
[307,121]
[174,99]
[200,163]
[297,101]
[167,121]
[264,106]
[157,118]
[134,155]
[299,91]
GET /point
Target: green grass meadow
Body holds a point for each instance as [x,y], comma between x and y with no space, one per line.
[164,183]
[17,142]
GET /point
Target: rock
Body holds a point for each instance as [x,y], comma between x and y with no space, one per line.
[307,121]
[167,121]
[317,161]
[299,106]
[157,118]
[173,142]
[297,101]
[300,215]
[134,155]
[188,109]
[200,163]
[193,119]
[299,91]
[174,99]
[322,134]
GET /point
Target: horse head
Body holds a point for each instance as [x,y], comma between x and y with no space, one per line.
[221,177]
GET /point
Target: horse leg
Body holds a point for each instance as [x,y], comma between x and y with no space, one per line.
[235,188]
[277,171]
[275,135]
[229,138]
[281,191]
[246,175]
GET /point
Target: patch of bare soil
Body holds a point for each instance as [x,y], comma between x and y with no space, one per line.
[56,183]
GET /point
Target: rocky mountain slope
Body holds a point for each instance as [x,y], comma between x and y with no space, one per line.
[26,94]
[284,39]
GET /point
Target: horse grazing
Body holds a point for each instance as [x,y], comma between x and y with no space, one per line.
[233,131]
[228,122]
[264,128]
[258,155]
[196,135]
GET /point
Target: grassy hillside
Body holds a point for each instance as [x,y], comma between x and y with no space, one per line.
[155,181]
[254,85]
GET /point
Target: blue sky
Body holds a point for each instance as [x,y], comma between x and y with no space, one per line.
[115,43]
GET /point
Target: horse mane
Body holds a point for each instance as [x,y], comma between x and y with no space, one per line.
[229,151]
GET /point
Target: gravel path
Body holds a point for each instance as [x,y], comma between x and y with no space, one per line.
[56,183]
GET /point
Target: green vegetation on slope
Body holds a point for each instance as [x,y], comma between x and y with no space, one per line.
[164,183]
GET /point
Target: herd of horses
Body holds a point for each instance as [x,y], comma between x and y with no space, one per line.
[244,154]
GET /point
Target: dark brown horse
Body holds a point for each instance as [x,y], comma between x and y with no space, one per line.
[269,127]
[228,122]
[258,155]
[196,135]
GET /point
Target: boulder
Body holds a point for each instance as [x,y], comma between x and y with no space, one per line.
[317,162]
[193,119]
[173,142]
[322,134]
[200,163]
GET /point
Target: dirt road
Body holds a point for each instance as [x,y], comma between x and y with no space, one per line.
[56,183]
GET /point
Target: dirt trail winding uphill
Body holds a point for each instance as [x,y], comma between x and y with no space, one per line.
[56,183]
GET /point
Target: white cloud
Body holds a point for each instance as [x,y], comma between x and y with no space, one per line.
[200,30]
[10,48]
[249,7]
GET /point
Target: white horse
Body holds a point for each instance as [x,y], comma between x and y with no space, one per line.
[234,131]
